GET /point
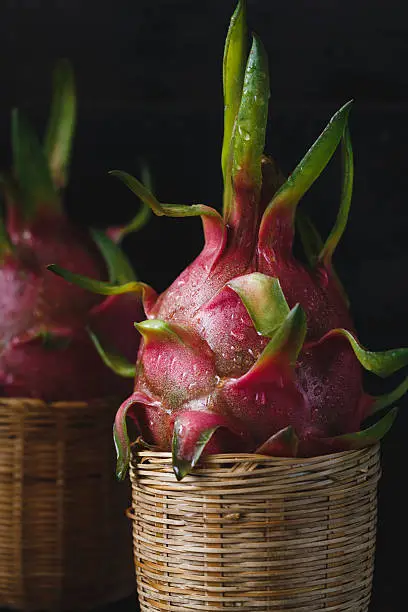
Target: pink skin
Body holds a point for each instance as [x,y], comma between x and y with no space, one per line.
[24,363]
[320,398]
[52,238]
[178,372]
[20,286]
[235,350]
[32,300]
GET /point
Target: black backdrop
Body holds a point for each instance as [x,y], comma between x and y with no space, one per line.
[149,85]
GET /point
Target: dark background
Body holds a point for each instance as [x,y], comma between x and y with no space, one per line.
[149,85]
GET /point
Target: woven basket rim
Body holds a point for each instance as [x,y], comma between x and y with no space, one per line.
[74,404]
[239,457]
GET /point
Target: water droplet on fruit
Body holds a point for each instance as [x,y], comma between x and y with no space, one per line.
[237,335]
[246,321]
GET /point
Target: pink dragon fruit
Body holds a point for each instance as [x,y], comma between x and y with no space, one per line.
[45,348]
[249,350]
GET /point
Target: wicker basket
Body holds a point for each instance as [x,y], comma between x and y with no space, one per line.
[248,532]
[64,536]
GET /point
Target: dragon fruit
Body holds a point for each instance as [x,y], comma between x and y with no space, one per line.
[45,348]
[251,350]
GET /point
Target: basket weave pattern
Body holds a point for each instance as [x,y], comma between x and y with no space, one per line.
[64,536]
[253,533]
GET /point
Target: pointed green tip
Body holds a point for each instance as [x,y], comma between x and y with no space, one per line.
[297,316]
[122,447]
[156,329]
[61,125]
[239,9]
[181,468]
[154,325]
[264,300]
[187,453]
[142,192]
[296,321]
[371,435]
[380,363]
[122,467]
[289,338]
[343,111]
[383,401]
[283,443]
[117,363]
[144,213]
[121,471]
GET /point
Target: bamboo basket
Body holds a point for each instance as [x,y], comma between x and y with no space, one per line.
[64,537]
[256,533]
